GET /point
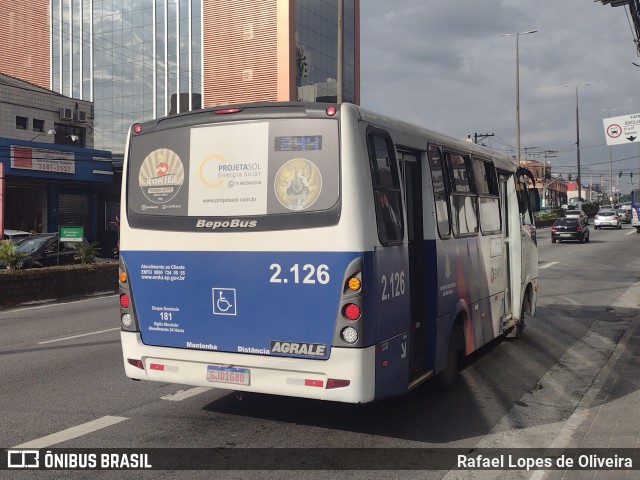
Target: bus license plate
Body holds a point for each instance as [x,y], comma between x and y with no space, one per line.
[236,376]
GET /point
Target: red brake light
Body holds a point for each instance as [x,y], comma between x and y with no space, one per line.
[136,363]
[137,128]
[331,111]
[351,311]
[579,228]
[337,383]
[553,229]
[124,300]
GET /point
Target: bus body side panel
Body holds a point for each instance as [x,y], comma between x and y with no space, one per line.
[387,315]
[238,301]
[462,277]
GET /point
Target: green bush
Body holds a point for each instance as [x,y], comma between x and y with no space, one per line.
[9,257]
[87,252]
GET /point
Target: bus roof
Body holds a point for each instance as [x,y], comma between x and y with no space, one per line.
[257,110]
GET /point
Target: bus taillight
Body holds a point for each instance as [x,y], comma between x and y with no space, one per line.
[349,335]
[351,311]
[354,284]
[124,300]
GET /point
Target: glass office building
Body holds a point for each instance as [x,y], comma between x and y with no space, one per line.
[129,57]
[317,50]
[142,59]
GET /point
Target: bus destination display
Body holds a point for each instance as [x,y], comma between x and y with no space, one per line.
[298,143]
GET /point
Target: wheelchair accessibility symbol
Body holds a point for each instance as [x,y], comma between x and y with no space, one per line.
[224,301]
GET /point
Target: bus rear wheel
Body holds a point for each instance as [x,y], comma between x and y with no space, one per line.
[444,380]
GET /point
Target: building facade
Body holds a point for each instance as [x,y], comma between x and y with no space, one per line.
[141,59]
[49,175]
[552,188]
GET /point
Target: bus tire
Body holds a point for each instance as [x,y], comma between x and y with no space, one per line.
[517,331]
[444,380]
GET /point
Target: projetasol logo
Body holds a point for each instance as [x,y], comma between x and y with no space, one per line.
[215,171]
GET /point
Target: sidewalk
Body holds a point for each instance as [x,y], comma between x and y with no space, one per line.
[609,413]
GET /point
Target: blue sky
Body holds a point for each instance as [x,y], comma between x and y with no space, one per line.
[441,64]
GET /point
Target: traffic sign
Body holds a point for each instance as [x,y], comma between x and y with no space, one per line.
[621,130]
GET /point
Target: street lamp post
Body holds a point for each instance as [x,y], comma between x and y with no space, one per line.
[579,180]
[517,35]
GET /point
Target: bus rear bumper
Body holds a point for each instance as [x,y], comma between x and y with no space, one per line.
[296,377]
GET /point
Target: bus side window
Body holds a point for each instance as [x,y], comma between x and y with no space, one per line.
[464,214]
[438,178]
[486,182]
[386,189]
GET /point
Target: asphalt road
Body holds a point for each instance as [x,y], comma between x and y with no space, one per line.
[62,369]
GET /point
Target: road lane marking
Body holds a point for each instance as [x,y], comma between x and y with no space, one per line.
[184,394]
[55,304]
[78,336]
[73,432]
[629,233]
[547,265]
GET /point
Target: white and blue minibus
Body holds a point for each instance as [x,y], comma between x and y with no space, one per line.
[318,251]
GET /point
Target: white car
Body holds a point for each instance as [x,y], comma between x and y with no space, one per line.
[607,219]
[15,235]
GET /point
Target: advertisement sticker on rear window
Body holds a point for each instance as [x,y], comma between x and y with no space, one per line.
[298,184]
[161,175]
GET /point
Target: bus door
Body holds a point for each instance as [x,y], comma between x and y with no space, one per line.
[506,228]
[412,178]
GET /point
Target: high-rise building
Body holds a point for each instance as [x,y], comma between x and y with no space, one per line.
[141,59]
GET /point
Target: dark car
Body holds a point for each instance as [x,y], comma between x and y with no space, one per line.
[572,228]
[41,250]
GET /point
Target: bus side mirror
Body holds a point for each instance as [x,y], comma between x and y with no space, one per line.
[534,200]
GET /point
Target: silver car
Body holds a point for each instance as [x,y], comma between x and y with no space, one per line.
[576,212]
[607,219]
[624,214]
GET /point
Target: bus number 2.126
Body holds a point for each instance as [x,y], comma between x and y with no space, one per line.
[309,274]
[393,286]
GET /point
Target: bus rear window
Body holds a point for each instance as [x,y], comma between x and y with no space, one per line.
[235,169]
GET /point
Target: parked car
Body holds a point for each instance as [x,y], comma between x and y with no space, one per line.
[15,235]
[624,214]
[41,250]
[573,212]
[570,228]
[608,219]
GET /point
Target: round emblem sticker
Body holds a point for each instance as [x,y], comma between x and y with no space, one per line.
[298,184]
[161,175]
